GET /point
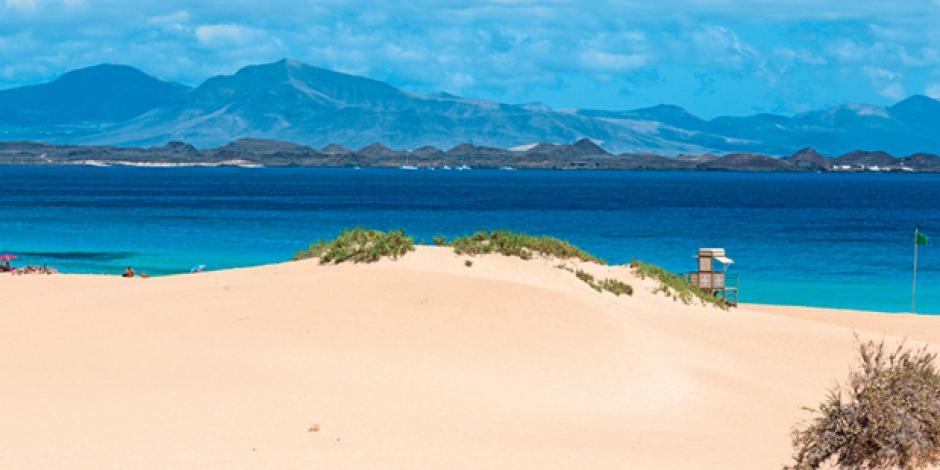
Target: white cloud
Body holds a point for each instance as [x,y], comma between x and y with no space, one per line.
[895,91]
[455,82]
[928,56]
[849,51]
[609,62]
[877,73]
[395,52]
[722,46]
[800,55]
[222,34]
[22,4]
[933,90]
[888,83]
[177,17]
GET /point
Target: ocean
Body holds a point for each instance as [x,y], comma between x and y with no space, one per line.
[826,240]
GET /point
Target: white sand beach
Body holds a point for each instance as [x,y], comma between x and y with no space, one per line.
[420,363]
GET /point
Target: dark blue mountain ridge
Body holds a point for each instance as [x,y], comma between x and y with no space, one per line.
[291,101]
[101,93]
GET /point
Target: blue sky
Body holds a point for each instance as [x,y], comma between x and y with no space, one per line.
[711,56]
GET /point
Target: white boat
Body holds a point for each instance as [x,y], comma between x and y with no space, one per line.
[507,168]
[463,168]
[445,167]
[408,167]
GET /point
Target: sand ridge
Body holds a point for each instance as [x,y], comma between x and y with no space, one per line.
[416,363]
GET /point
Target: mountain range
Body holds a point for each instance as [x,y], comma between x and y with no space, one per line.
[289,101]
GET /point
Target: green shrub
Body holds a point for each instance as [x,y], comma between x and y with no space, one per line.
[890,417]
[614,286]
[468,263]
[519,244]
[674,286]
[440,240]
[588,279]
[359,246]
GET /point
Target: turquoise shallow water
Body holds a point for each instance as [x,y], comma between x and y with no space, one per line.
[830,240]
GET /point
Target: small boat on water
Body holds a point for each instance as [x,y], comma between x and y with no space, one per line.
[507,168]
[408,167]
[445,167]
[463,168]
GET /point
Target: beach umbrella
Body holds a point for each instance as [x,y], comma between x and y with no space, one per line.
[7,257]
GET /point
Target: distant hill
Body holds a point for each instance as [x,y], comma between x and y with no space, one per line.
[747,162]
[581,155]
[295,102]
[100,94]
[810,160]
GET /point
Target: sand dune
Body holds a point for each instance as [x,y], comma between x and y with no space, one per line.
[417,363]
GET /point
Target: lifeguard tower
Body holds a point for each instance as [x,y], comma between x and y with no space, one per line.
[712,275]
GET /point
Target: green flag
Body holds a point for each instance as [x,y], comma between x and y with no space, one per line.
[921,238]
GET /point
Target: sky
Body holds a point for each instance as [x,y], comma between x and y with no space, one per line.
[713,57]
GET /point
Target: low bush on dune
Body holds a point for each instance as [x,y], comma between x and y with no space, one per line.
[674,286]
[359,246]
[366,246]
[587,277]
[889,416]
[519,244]
[614,286]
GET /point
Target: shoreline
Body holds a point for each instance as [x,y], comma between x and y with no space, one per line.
[158,164]
[768,307]
[835,310]
[396,167]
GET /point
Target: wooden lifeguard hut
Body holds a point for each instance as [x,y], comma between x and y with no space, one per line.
[712,275]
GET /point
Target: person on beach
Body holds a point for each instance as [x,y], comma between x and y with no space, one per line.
[129,272]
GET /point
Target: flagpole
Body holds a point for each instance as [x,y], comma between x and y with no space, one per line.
[914,285]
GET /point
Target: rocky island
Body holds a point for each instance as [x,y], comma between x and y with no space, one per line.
[581,155]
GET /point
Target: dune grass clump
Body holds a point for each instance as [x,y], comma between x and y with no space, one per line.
[614,286]
[888,418]
[674,286]
[360,246]
[439,240]
[588,279]
[522,245]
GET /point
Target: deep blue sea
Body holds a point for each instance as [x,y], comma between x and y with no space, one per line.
[830,240]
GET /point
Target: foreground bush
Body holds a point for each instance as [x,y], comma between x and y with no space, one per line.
[674,286]
[890,417]
[360,246]
[519,244]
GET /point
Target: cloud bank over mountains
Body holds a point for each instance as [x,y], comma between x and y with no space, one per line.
[716,58]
